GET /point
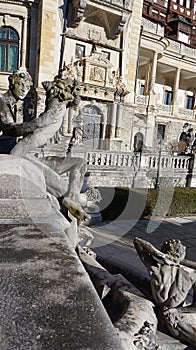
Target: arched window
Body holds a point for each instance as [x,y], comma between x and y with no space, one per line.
[9,42]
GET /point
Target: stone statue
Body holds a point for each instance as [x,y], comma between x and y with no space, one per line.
[187,137]
[171,283]
[19,85]
[60,94]
[121,90]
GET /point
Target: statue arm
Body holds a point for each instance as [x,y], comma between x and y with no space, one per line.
[22,129]
[147,252]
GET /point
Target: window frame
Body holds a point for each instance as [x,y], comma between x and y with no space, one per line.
[7,42]
[190,100]
[83,52]
[168,97]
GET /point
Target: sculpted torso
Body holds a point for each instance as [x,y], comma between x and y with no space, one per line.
[171,284]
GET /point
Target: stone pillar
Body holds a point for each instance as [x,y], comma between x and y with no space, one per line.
[150,129]
[103,130]
[23,45]
[176,85]
[118,121]
[65,123]
[131,39]
[153,72]
[70,118]
[112,119]
[147,78]
[175,90]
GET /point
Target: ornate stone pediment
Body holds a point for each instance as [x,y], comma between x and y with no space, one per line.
[97,69]
[97,77]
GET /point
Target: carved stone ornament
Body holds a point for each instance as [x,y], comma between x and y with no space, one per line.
[78,7]
[97,69]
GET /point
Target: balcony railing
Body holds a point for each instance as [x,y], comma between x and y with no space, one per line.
[164,108]
[141,100]
[109,159]
[120,3]
[166,162]
[188,112]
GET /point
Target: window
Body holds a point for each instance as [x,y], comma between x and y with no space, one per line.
[142,89]
[168,97]
[106,55]
[184,3]
[161,131]
[188,4]
[190,102]
[9,42]
[80,51]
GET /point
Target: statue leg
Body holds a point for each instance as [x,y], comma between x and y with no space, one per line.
[181,322]
[77,168]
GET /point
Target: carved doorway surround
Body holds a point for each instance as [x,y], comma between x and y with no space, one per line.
[92,117]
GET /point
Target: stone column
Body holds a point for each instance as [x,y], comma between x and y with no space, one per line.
[112,118]
[65,123]
[153,72]
[103,130]
[131,39]
[23,44]
[70,118]
[175,90]
[150,129]
[118,121]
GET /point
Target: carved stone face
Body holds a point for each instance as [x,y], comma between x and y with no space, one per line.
[20,84]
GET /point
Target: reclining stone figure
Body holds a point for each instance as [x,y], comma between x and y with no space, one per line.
[171,283]
[60,94]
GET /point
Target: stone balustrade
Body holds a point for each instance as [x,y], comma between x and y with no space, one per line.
[113,159]
[130,160]
[166,162]
[142,100]
[119,3]
[190,113]
[114,169]
[164,108]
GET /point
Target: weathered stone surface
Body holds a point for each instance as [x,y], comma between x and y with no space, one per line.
[132,314]
[47,300]
[20,179]
[24,208]
[23,189]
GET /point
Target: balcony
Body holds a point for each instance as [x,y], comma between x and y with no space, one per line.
[109,14]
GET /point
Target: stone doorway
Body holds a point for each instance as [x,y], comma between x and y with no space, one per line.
[92,116]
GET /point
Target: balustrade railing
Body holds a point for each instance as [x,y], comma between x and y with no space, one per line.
[113,159]
[109,159]
[164,108]
[120,3]
[142,100]
[165,162]
[184,111]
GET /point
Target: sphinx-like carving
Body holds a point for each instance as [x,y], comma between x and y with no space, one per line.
[60,94]
[171,284]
